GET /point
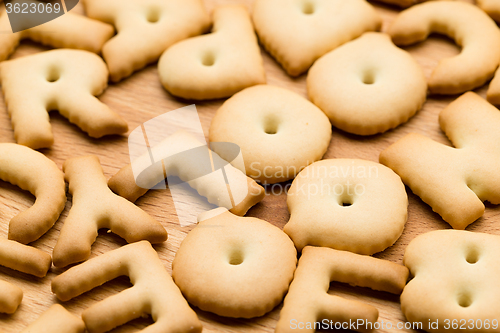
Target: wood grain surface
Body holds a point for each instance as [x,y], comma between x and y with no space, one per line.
[140,98]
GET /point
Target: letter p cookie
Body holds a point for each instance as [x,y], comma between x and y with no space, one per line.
[455,286]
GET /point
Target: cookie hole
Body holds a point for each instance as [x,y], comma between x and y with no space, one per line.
[208,59]
[271,125]
[368,77]
[465,299]
[53,75]
[236,258]
[153,15]
[308,7]
[472,256]
[344,194]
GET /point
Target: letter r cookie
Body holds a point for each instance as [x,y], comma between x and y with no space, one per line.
[64,80]
[456,276]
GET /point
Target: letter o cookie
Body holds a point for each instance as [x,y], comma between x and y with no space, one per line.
[367,86]
[347,204]
[456,276]
[234,266]
[278,131]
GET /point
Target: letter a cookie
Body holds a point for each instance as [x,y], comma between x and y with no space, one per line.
[216,65]
[296,33]
[145,29]
[455,286]
[454,182]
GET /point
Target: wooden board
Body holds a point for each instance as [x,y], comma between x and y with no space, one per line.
[140,98]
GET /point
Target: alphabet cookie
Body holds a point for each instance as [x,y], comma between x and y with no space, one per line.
[21,258]
[56,319]
[216,65]
[454,182]
[402,3]
[145,29]
[278,131]
[234,266]
[10,297]
[24,258]
[33,172]
[64,80]
[455,285]
[67,31]
[493,93]
[471,28]
[296,33]
[367,86]
[134,180]
[96,207]
[308,302]
[153,292]
[346,204]
[491,7]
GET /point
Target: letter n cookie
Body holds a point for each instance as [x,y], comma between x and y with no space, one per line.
[454,182]
[455,286]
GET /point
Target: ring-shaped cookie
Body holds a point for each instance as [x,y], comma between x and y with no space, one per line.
[470,27]
[367,86]
[279,132]
[234,266]
[347,204]
[32,171]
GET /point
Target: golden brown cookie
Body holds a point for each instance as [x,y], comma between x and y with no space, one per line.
[367,86]
[454,182]
[308,301]
[153,292]
[472,30]
[216,65]
[33,172]
[64,80]
[96,207]
[491,7]
[56,319]
[298,32]
[279,132]
[145,28]
[134,180]
[234,266]
[347,204]
[11,297]
[24,259]
[455,282]
[67,31]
